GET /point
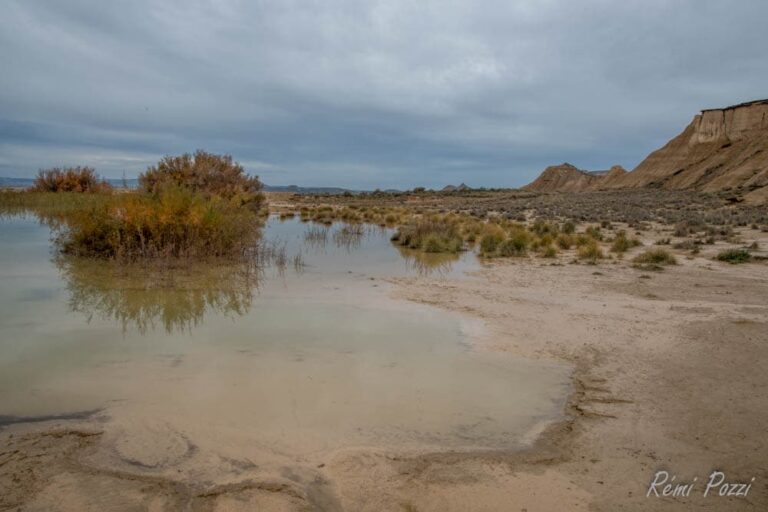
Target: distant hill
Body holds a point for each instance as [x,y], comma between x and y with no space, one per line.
[455,188]
[721,149]
[305,190]
[563,178]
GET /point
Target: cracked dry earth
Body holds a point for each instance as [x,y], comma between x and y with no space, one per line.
[668,375]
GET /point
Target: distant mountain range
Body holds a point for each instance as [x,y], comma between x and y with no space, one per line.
[305,190]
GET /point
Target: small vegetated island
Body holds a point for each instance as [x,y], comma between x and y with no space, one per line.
[197,205]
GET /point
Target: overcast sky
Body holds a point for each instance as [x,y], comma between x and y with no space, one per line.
[367,94]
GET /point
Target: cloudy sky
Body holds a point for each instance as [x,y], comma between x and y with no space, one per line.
[366,94]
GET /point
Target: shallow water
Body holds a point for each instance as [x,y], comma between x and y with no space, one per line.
[306,359]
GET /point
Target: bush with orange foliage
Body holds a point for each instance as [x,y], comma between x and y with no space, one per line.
[174,223]
[70,179]
[207,174]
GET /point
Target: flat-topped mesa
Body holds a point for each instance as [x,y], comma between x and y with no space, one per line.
[721,149]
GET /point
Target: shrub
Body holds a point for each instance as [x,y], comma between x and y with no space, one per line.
[489,243]
[564,241]
[549,252]
[391,218]
[205,173]
[69,179]
[590,252]
[734,256]
[430,236]
[433,243]
[515,245]
[174,223]
[541,227]
[654,258]
[594,232]
[568,228]
[622,244]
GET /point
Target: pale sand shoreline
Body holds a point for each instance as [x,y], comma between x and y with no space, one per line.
[667,376]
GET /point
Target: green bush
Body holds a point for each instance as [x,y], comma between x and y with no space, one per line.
[489,243]
[734,256]
[515,245]
[430,235]
[654,259]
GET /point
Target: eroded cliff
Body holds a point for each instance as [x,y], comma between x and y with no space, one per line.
[721,149]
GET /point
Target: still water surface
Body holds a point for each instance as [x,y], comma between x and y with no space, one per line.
[310,358]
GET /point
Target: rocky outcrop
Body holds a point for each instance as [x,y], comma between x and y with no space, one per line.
[721,149]
[613,175]
[568,178]
[563,178]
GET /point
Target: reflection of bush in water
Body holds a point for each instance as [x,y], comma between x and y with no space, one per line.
[427,263]
[174,296]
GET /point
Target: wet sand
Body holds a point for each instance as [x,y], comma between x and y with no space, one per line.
[668,376]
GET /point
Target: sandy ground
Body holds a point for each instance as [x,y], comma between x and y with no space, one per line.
[669,376]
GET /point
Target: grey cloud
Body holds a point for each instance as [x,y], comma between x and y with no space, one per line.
[367,94]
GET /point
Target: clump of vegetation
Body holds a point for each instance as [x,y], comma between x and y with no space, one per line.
[69,179]
[174,223]
[590,252]
[207,174]
[187,207]
[515,245]
[594,232]
[734,256]
[429,235]
[491,239]
[349,236]
[622,243]
[565,241]
[549,252]
[653,259]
